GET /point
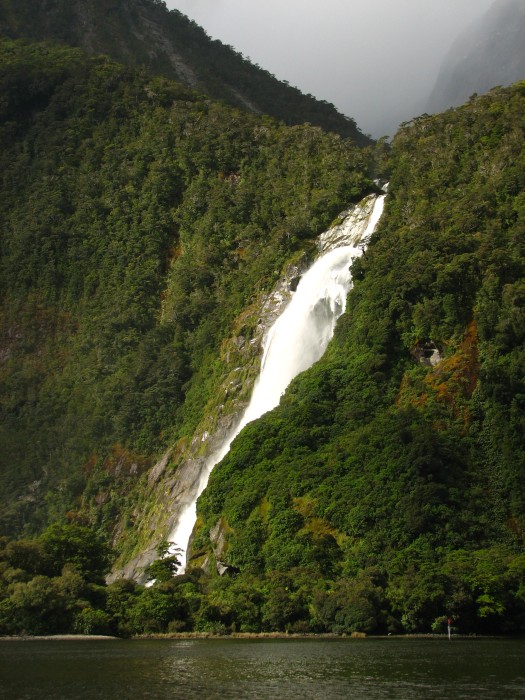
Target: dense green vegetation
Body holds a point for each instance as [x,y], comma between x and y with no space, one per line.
[138,219]
[144,33]
[386,493]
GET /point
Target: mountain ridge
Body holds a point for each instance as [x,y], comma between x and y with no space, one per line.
[145,33]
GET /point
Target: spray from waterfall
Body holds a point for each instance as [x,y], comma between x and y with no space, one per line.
[299,336]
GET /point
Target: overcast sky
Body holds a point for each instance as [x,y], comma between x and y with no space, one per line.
[375,60]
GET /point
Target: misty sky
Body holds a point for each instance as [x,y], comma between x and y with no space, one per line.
[375,60]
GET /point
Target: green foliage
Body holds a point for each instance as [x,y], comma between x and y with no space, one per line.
[143,33]
[154,609]
[48,585]
[353,605]
[138,220]
[60,592]
[78,546]
[92,621]
[407,474]
[164,568]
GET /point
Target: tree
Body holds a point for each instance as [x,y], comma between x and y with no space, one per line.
[77,545]
[166,566]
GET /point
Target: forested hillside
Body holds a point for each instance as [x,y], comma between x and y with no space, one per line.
[387,490]
[139,221]
[144,33]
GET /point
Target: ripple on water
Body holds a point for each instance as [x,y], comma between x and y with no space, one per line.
[264,669]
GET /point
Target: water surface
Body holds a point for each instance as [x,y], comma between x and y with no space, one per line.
[262,669]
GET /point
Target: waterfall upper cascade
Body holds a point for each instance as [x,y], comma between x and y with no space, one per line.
[299,336]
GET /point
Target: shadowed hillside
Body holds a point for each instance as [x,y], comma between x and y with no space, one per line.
[138,219]
[144,33]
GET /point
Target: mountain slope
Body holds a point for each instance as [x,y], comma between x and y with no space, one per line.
[145,33]
[141,225]
[387,490]
[138,219]
[491,53]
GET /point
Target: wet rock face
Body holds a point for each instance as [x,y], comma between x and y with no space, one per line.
[173,489]
[134,569]
[427,353]
[349,228]
[159,468]
[218,542]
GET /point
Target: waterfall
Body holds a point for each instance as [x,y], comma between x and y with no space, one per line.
[299,336]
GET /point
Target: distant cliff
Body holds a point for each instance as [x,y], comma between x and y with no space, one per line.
[490,53]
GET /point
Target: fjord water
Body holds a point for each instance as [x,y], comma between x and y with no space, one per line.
[262,669]
[298,338]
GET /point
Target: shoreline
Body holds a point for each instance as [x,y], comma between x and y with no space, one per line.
[310,635]
[58,638]
[241,635]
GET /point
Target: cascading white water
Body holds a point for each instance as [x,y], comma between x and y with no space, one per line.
[297,339]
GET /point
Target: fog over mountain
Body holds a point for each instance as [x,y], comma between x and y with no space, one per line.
[491,52]
[377,61]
